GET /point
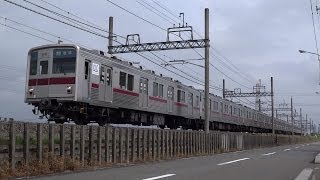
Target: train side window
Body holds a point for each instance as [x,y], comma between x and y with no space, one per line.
[197,101]
[109,77]
[33,63]
[44,67]
[130,82]
[123,80]
[86,70]
[170,92]
[102,75]
[155,89]
[190,99]
[160,90]
[181,96]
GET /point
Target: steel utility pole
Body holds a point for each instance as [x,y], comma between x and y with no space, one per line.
[206,54]
[110,35]
[301,121]
[306,126]
[272,107]
[292,121]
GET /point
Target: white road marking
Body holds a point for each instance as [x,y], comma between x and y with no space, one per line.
[229,162]
[297,147]
[268,154]
[305,174]
[160,177]
[287,150]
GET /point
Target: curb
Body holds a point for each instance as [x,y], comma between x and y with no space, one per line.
[317,159]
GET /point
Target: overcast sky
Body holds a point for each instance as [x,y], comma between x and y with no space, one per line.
[260,38]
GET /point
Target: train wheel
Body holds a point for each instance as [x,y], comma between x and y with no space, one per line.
[59,121]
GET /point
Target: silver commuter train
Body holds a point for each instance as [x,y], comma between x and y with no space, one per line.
[66,82]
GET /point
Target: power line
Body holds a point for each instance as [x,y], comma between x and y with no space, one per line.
[314,28]
[55,19]
[228,67]
[39,30]
[27,33]
[136,15]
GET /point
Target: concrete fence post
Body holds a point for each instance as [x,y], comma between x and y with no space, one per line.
[154,145]
[39,142]
[12,145]
[149,142]
[82,145]
[127,145]
[133,146]
[174,144]
[171,143]
[185,143]
[51,138]
[26,144]
[120,145]
[167,144]
[158,143]
[72,142]
[143,144]
[107,145]
[62,140]
[99,145]
[162,144]
[138,145]
[91,145]
[114,145]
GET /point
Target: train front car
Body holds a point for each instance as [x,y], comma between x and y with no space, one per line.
[51,81]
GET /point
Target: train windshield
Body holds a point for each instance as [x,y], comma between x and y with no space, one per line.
[64,61]
[33,63]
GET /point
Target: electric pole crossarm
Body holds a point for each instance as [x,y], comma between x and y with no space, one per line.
[234,94]
[157,46]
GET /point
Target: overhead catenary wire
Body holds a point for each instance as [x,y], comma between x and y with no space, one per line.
[314,28]
[218,59]
[42,31]
[106,37]
[166,30]
[237,70]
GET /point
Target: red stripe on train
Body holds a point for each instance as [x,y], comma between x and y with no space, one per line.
[181,104]
[130,93]
[157,99]
[52,81]
[93,85]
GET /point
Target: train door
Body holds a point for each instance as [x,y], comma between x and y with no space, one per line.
[190,103]
[86,82]
[143,89]
[105,85]
[170,98]
[43,75]
[108,97]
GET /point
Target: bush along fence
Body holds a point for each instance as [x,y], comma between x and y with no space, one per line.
[22,144]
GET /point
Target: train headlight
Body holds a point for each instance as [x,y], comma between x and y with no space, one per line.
[31,91]
[69,89]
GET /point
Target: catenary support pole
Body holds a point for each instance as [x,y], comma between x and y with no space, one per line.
[292,122]
[301,121]
[207,46]
[110,35]
[272,107]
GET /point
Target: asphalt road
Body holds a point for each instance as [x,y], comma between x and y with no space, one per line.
[282,163]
